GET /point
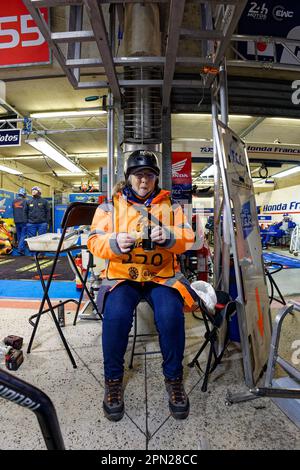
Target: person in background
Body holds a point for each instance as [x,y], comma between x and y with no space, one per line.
[37,213]
[140,235]
[18,206]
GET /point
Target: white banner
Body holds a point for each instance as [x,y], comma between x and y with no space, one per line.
[279,202]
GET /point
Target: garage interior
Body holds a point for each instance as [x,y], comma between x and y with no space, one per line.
[124,75]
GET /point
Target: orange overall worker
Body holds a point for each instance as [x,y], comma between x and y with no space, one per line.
[139,233]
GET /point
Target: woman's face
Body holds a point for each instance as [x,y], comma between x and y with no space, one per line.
[143,181]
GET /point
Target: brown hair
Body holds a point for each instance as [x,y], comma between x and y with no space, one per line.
[118,187]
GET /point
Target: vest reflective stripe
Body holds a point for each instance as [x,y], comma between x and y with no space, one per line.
[114,245]
[107,282]
[170,240]
[97,232]
[171,282]
[106,206]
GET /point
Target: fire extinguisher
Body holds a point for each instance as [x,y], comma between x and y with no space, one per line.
[202,263]
[78,262]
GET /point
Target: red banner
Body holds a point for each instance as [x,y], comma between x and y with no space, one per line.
[181,168]
[21,42]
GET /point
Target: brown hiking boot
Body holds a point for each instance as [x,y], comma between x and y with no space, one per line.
[113,403]
[179,404]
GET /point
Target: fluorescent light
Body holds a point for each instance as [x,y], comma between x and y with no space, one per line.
[25,157]
[6,169]
[44,147]
[291,120]
[288,172]
[190,139]
[68,174]
[55,114]
[197,115]
[240,116]
[208,172]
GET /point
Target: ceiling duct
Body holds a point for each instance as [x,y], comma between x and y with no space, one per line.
[142,111]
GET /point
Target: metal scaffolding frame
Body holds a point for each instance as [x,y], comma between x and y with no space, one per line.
[214,39]
[218,21]
[272,64]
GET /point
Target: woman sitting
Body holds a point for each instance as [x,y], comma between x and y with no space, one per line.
[139,233]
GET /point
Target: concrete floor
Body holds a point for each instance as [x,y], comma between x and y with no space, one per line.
[77,395]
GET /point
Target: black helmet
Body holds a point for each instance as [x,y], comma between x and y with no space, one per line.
[141,159]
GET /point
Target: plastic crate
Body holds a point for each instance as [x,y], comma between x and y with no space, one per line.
[49,242]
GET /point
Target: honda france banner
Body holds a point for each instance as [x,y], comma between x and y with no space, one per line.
[181,175]
[21,42]
[270,18]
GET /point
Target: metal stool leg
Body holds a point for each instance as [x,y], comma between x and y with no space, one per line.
[85,289]
[81,293]
[46,297]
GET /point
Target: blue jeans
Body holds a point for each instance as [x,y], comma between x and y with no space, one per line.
[36,229]
[118,312]
[21,235]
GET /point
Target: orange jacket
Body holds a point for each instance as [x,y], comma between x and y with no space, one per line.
[159,265]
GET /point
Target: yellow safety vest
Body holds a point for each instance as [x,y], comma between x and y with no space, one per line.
[140,265]
[158,265]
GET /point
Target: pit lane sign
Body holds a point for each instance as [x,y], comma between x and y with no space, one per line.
[21,42]
[252,301]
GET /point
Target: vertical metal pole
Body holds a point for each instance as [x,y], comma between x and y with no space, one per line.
[120,140]
[166,151]
[75,24]
[110,114]
[217,196]
[206,24]
[110,145]
[51,229]
[224,94]
[227,210]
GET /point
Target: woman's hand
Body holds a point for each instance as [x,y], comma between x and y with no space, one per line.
[125,242]
[158,235]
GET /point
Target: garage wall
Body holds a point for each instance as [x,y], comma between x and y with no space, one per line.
[29,178]
[13,183]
